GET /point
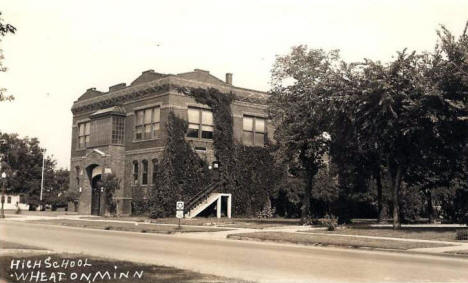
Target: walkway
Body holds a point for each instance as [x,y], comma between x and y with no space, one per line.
[222,235]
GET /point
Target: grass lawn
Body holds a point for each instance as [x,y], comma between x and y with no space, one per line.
[99,269]
[40,213]
[9,246]
[462,252]
[130,226]
[254,223]
[421,233]
[311,239]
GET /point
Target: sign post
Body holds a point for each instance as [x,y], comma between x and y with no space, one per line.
[179,211]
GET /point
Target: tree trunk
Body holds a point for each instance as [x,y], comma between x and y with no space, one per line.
[396,183]
[381,211]
[430,207]
[306,200]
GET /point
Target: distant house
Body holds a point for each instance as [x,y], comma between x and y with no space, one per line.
[15,201]
[123,130]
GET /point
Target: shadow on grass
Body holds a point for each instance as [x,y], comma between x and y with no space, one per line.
[107,270]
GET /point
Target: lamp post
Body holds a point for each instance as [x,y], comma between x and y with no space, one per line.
[3,192]
[42,180]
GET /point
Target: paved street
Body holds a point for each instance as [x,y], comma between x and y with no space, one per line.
[239,259]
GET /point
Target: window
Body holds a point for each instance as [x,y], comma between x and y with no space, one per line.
[144,180]
[155,170]
[8,199]
[100,132]
[147,123]
[200,123]
[117,129]
[253,131]
[135,172]
[83,134]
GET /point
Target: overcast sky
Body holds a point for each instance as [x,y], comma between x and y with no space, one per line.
[62,48]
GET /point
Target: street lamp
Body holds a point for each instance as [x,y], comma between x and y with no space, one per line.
[42,179]
[3,192]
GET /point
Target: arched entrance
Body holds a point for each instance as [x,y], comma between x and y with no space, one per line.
[96,185]
[94,174]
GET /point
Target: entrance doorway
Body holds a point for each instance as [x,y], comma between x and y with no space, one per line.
[96,185]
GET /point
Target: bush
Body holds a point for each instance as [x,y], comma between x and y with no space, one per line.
[411,204]
[462,235]
[329,221]
[139,202]
[267,211]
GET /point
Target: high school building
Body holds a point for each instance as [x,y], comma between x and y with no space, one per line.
[123,131]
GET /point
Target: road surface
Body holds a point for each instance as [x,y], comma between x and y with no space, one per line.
[242,259]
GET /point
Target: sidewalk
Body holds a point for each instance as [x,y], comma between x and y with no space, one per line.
[454,246]
[222,235]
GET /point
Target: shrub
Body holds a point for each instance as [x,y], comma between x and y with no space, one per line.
[139,202]
[267,211]
[329,221]
[462,235]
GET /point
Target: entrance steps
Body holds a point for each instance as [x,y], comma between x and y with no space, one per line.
[205,198]
[210,199]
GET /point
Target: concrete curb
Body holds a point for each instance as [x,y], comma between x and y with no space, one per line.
[243,238]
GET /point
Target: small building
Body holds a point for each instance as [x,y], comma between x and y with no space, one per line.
[13,202]
[123,130]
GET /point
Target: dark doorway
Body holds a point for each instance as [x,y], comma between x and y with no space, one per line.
[96,195]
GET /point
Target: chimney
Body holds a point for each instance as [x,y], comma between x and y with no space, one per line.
[229,78]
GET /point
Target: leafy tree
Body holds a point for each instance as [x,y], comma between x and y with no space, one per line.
[22,159]
[413,110]
[299,111]
[110,183]
[5,28]
[56,188]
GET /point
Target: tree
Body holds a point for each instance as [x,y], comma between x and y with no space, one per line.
[299,111]
[414,110]
[22,163]
[4,30]
[110,183]
[56,188]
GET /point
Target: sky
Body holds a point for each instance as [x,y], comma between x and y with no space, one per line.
[61,48]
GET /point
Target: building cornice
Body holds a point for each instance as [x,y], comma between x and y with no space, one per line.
[166,84]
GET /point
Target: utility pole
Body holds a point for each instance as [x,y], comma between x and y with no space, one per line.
[3,176]
[42,179]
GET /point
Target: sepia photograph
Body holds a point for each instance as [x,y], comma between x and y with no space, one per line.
[233,141]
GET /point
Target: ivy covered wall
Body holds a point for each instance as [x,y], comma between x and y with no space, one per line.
[181,173]
[250,173]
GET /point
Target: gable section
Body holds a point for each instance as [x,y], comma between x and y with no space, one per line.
[148,76]
[201,76]
[90,93]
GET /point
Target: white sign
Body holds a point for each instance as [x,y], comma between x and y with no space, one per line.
[180,205]
[180,214]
